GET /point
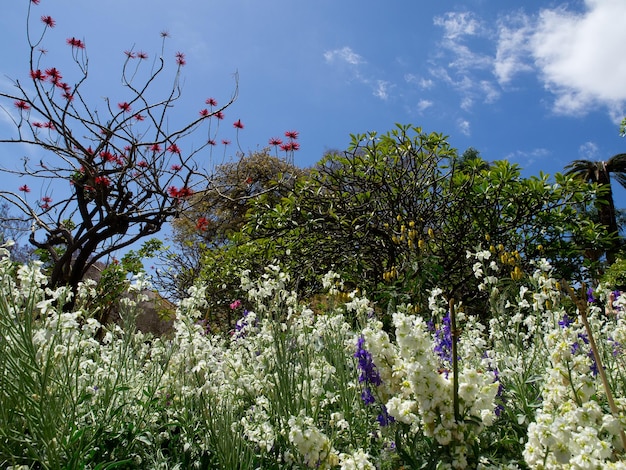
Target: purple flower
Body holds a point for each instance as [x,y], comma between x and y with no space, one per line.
[384,418]
[369,374]
[443,339]
[590,298]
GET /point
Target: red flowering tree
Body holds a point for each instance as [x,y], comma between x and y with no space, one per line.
[106,175]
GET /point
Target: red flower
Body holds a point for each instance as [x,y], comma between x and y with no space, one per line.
[139,117]
[292,134]
[185,192]
[124,106]
[211,102]
[249,180]
[202,223]
[24,189]
[211,142]
[219,115]
[49,125]
[180,59]
[35,2]
[275,141]
[130,54]
[142,164]
[49,21]
[238,124]
[142,55]
[107,156]
[21,104]
[63,86]
[77,43]
[165,34]
[226,141]
[46,199]
[38,124]
[172,191]
[102,181]
[68,96]
[290,146]
[173,149]
[37,75]
[176,167]
[204,112]
[54,74]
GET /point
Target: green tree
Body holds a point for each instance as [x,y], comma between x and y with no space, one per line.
[600,172]
[396,215]
[205,237]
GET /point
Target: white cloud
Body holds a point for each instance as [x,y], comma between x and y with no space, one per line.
[464,126]
[345,54]
[588,150]
[512,47]
[580,55]
[381,89]
[423,105]
[527,157]
[457,24]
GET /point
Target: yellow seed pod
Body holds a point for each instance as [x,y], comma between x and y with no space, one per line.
[410,243]
[517,273]
[557,284]
[386,225]
[398,217]
[394,239]
[500,247]
[492,249]
[411,224]
[402,228]
[540,247]
[487,237]
[431,232]
[412,234]
[421,244]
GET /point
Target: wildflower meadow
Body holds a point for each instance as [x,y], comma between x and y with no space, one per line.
[539,385]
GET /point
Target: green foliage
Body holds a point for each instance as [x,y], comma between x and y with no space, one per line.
[395,214]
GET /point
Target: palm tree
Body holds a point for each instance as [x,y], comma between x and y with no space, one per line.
[600,172]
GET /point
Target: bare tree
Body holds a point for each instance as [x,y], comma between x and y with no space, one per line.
[111,175]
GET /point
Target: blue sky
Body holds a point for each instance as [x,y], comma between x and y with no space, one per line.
[540,85]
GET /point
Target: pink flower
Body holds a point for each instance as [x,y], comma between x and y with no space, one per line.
[292,134]
[139,117]
[175,167]
[124,106]
[130,54]
[204,112]
[226,141]
[142,164]
[238,124]
[142,55]
[48,21]
[155,148]
[211,102]
[275,141]
[24,188]
[22,105]
[180,59]
[35,2]
[236,304]
[219,115]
